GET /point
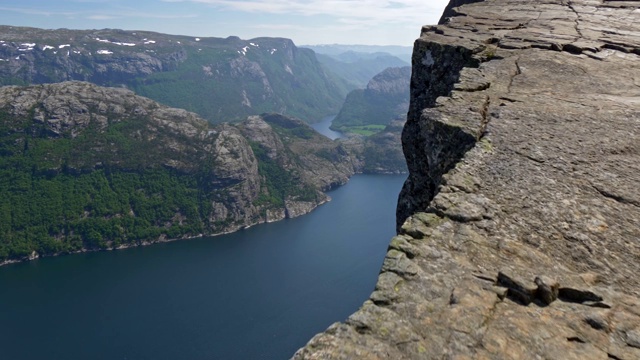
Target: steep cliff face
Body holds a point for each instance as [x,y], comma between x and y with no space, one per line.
[220,79]
[84,167]
[519,233]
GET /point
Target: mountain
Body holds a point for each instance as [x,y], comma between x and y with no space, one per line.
[84,167]
[359,68]
[220,79]
[402,52]
[385,98]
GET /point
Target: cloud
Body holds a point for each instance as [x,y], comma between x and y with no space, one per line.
[101,17]
[97,16]
[371,11]
[38,12]
[139,15]
[93,15]
[278,27]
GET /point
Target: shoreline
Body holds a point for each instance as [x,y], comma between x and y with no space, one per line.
[34,255]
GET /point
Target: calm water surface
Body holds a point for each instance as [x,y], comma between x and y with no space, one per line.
[260,293]
[323,128]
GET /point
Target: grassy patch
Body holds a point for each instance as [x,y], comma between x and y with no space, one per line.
[365,130]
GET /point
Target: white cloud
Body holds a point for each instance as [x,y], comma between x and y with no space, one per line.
[140,15]
[370,11]
[110,15]
[37,12]
[101,17]
[277,27]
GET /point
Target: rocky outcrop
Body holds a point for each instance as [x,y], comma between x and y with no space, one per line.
[86,167]
[293,145]
[518,226]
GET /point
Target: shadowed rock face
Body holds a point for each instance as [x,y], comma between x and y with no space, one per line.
[519,233]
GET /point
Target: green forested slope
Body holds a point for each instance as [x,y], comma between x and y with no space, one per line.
[84,167]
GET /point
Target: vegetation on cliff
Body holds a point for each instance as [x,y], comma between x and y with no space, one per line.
[85,167]
[378,153]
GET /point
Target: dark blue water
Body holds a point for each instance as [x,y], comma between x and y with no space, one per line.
[323,128]
[260,293]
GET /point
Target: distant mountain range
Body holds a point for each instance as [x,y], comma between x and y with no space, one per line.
[358,64]
[359,68]
[220,79]
[402,52]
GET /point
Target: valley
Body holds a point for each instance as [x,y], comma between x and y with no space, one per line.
[114,140]
[87,167]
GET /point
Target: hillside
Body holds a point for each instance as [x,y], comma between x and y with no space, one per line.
[338,50]
[359,68]
[385,98]
[519,224]
[85,167]
[220,79]
[379,153]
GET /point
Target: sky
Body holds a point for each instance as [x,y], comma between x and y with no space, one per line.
[307,22]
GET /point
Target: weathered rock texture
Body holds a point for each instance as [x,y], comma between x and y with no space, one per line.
[519,226]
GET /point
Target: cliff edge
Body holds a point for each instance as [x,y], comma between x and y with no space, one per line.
[519,225]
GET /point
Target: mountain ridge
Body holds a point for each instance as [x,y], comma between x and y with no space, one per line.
[221,79]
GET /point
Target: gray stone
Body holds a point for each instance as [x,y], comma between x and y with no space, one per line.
[548,289]
[633,338]
[519,290]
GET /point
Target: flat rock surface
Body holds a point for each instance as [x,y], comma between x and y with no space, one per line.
[520,222]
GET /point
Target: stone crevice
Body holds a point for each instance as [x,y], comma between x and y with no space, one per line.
[618,198]
[517,72]
[571,6]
